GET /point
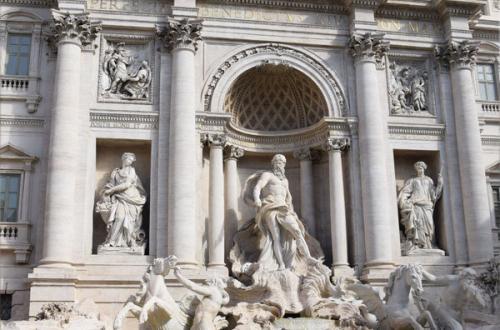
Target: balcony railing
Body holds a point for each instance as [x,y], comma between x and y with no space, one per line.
[16,236]
[490,108]
[21,88]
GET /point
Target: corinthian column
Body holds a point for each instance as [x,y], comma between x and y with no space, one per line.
[232,154]
[216,203]
[461,56]
[182,37]
[69,33]
[335,146]
[305,157]
[368,49]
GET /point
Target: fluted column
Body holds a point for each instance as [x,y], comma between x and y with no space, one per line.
[305,157]
[182,37]
[216,143]
[367,50]
[335,146]
[69,33]
[461,56]
[232,154]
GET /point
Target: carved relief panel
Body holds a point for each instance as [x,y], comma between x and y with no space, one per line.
[126,69]
[409,87]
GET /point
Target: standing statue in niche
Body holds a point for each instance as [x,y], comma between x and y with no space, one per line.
[128,79]
[416,202]
[120,207]
[276,218]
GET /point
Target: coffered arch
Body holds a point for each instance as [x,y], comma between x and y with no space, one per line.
[271,54]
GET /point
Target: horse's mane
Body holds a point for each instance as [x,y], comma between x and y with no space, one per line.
[396,274]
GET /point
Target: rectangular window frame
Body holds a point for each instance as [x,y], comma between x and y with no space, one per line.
[6,306]
[19,196]
[484,82]
[18,55]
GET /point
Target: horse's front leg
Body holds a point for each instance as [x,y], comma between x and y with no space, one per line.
[129,307]
[143,317]
[426,317]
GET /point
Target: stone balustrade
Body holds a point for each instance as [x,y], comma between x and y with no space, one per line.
[490,107]
[16,236]
[21,88]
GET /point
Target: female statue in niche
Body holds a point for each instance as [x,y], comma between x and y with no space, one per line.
[416,204]
[120,206]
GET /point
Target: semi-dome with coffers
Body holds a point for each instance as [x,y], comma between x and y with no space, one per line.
[274,98]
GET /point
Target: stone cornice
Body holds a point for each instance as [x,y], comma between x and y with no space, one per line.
[373,4]
[21,122]
[75,28]
[416,132]
[458,53]
[410,13]
[31,3]
[461,8]
[369,46]
[318,5]
[184,33]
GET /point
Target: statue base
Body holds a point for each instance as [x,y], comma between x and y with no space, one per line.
[114,250]
[301,323]
[425,252]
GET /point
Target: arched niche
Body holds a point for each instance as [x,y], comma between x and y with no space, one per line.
[242,60]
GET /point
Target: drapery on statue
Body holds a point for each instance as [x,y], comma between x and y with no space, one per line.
[416,202]
[126,80]
[120,206]
[284,233]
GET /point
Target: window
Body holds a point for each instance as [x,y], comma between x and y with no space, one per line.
[9,196]
[496,205]
[18,54]
[5,306]
[486,81]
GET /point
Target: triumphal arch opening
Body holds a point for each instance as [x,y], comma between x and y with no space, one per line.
[206,164]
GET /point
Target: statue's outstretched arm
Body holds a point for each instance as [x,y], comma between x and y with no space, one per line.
[190,284]
[258,188]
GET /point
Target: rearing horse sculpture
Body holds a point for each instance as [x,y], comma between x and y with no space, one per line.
[153,305]
[395,312]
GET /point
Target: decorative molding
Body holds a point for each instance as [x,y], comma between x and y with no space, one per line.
[490,140]
[279,50]
[216,140]
[319,5]
[75,28]
[458,53]
[368,47]
[184,33]
[233,152]
[306,154]
[123,120]
[21,122]
[416,132]
[31,3]
[407,13]
[210,122]
[486,34]
[336,144]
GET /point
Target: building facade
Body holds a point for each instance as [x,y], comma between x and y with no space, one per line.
[203,93]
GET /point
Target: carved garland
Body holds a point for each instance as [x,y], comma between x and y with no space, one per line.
[275,49]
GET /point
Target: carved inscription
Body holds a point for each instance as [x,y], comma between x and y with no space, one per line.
[138,6]
[408,26]
[270,15]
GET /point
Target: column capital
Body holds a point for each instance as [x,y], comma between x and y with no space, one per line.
[213,140]
[181,33]
[74,28]
[233,152]
[336,144]
[368,46]
[457,54]
[306,154]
